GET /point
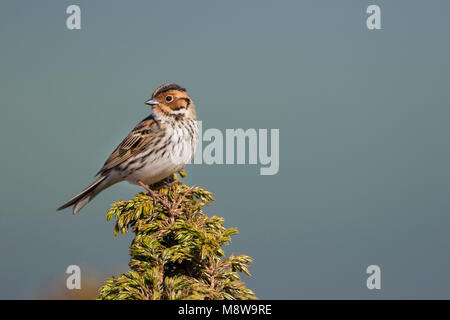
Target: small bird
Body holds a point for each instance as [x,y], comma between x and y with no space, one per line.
[159,146]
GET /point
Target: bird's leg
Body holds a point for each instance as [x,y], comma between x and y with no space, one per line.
[156,197]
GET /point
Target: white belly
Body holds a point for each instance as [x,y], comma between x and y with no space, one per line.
[153,172]
[168,161]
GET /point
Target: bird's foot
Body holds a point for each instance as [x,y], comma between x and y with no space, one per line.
[156,196]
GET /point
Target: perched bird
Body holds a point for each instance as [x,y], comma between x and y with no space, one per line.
[159,146]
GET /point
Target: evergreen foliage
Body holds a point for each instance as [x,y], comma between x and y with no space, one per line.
[177,251]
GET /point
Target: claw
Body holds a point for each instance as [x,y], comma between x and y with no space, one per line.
[156,197]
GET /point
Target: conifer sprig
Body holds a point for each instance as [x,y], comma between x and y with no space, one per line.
[177,251]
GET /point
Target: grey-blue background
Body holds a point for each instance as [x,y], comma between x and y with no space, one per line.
[364,136]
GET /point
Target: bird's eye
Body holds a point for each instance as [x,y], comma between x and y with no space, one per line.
[169,98]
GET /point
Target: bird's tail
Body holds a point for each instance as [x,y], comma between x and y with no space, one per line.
[82,199]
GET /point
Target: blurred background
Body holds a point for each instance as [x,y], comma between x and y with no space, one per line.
[364,137]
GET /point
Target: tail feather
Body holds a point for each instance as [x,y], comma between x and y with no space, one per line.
[82,199]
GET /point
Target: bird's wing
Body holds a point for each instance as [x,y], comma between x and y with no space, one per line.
[136,141]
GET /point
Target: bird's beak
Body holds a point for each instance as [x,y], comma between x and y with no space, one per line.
[152,102]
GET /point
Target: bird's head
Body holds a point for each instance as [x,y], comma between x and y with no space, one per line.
[171,100]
